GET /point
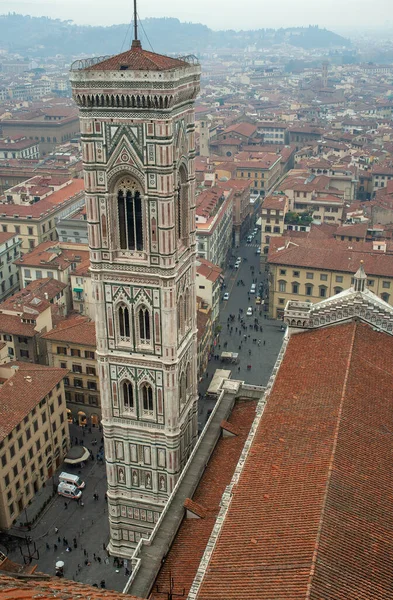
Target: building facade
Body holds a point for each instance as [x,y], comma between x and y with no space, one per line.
[138,143]
[34,439]
[311,270]
[10,245]
[71,345]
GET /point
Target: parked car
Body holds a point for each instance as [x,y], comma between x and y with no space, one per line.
[226,296]
[253,288]
[249,311]
[258,300]
[249,239]
[258,251]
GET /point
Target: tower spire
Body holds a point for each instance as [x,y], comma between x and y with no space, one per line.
[135,42]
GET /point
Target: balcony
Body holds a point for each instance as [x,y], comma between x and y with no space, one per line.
[77,298]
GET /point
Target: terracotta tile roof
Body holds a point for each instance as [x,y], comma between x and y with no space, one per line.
[195,508]
[55,255]
[74,330]
[355,230]
[137,59]
[186,552]
[246,129]
[12,324]
[4,236]
[207,269]
[277,202]
[23,391]
[50,203]
[330,255]
[229,427]
[310,516]
[53,588]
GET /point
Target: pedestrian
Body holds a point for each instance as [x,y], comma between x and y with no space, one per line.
[75,544]
[65,505]
[56,530]
[238,368]
[103,546]
[94,556]
[65,543]
[126,572]
[86,562]
[81,504]
[85,552]
[59,539]
[47,546]
[99,559]
[106,497]
[55,547]
[264,342]
[102,584]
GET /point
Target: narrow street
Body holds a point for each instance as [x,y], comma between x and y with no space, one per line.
[261,356]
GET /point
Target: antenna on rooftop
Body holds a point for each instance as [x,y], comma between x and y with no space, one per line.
[135,42]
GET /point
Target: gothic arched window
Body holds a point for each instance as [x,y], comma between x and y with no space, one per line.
[182,388]
[129,206]
[123,316]
[128,395]
[147,397]
[144,325]
[188,378]
[181,205]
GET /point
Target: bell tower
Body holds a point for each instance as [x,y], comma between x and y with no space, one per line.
[138,143]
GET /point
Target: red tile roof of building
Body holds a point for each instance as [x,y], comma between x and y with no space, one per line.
[245,129]
[310,516]
[275,202]
[55,255]
[355,230]
[6,236]
[207,269]
[48,204]
[330,255]
[137,59]
[186,552]
[74,330]
[29,384]
[13,325]
[53,588]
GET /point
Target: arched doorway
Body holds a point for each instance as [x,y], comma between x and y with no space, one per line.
[49,466]
[82,418]
[57,457]
[95,420]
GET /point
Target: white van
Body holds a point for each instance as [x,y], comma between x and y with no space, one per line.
[72,480]
[68,491]
[253,288]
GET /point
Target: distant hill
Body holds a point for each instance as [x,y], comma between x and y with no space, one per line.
[41,36]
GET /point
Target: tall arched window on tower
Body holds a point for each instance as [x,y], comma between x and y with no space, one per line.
[147,398]
[128,395]
[181,206]
[123,317]
[182,389]
[144,325]
[130,217]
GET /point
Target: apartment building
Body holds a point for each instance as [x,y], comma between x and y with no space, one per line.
[208,285]
[273,132]
[263,172]
[274,209]
[35,222]
[10,246]
[55,260]
[214,222]
[19,147]
[47,125]
[83,300]
[313,268]
[72,345]
[23,318]
[34,434]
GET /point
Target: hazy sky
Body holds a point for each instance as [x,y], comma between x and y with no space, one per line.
[217,14]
